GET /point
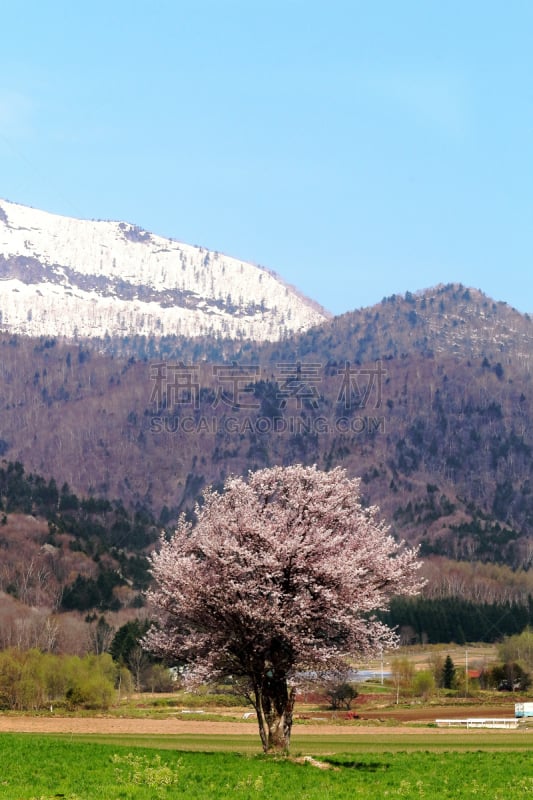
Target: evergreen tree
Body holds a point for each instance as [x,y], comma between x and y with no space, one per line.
[448,673]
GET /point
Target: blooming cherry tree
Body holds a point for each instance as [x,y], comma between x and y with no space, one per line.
[280,575]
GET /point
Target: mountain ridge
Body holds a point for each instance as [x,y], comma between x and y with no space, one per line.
[448,318]
[90,278]
[442,440]
[460,420]
[426,396]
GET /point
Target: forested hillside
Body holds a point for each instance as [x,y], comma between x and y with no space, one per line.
[66,553]
[439,431]
[427,398]
[73,570]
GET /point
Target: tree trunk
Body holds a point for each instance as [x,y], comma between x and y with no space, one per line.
[274,704]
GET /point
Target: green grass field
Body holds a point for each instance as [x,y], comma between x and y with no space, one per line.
[37,767]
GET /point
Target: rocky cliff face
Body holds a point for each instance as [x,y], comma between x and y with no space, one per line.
[67,277]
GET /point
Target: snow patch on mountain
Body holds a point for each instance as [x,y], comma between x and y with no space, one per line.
[87,278]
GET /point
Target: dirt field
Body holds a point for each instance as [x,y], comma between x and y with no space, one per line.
[431,713]
[407,720]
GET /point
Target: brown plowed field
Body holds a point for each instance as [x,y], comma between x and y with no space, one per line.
[407,720]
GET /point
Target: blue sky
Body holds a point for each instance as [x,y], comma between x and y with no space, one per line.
[357,148]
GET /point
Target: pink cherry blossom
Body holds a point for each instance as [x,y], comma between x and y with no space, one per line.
[280,575]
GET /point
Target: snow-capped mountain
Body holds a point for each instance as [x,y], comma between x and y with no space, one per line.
[61,276]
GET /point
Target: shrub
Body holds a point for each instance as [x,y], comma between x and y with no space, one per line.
[31,680]
[341,695]
[424,684]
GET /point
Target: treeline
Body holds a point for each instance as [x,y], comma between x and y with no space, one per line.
[85,518]
[103,530]
[32,680]
[452,619]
